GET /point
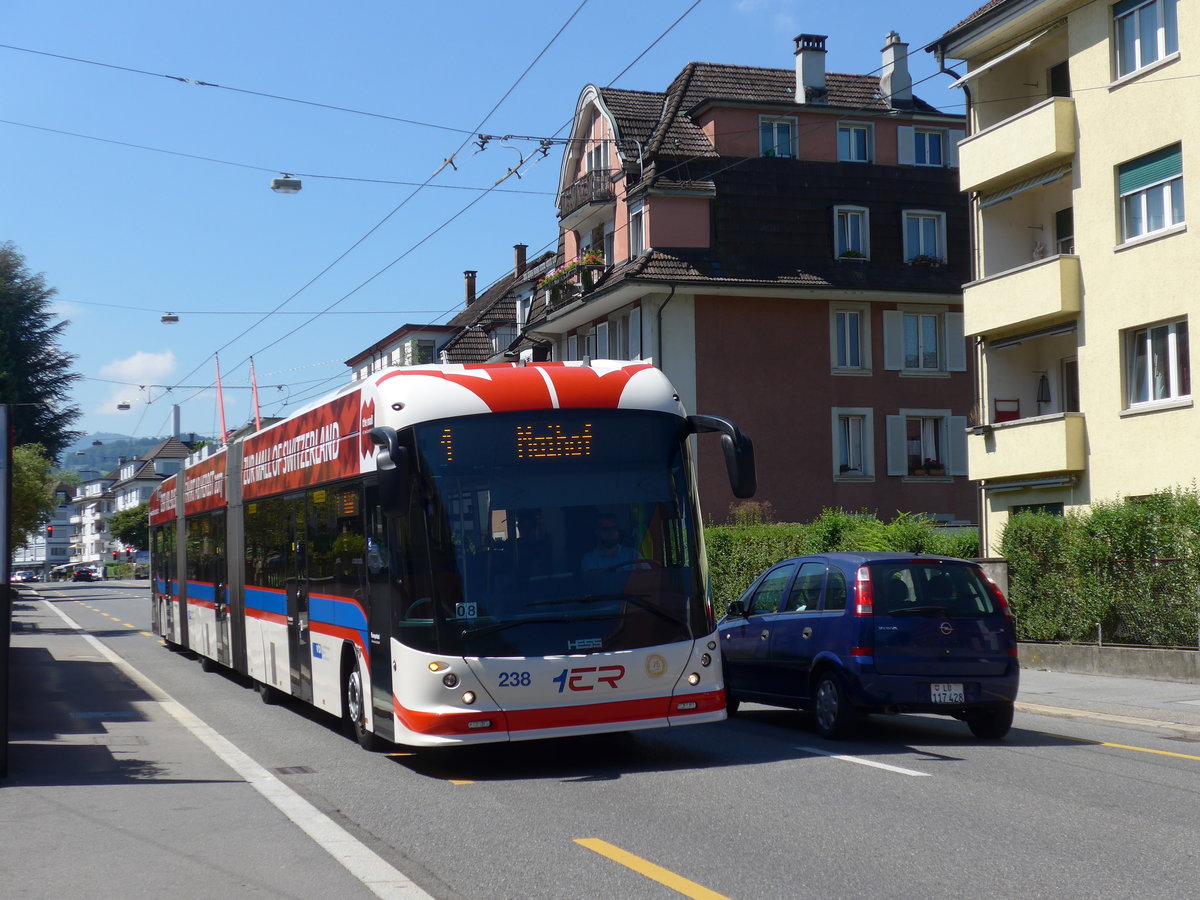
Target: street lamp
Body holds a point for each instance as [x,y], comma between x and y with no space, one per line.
[169,319]
[285,185]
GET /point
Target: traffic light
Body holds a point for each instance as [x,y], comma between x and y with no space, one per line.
[49,531]
[128,554]
[114,556]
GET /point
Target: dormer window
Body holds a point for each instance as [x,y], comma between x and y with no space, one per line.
[777,137]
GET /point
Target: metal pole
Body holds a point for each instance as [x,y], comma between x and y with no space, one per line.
[5,589]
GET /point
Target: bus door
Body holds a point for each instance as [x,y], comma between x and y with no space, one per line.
[379,614]
[220,579]
[296,582]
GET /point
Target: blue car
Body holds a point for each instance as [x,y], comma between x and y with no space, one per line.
[849,634]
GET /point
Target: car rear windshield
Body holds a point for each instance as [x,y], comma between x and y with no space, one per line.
[931,589]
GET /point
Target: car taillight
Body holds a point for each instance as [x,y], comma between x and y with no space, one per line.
[863,604]
[999,596]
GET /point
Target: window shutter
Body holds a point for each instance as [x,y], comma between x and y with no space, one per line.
[602,341]
[897,453]
[956,135]
[956,343]
[957,444]
[904,146]
[635,333]
[573,347]
[1141,173]
[893,339]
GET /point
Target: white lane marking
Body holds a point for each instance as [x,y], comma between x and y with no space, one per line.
[379,876]
[864,762]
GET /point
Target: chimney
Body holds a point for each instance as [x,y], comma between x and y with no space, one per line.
[469,278]
[519,262]
[810,67]
[895,84]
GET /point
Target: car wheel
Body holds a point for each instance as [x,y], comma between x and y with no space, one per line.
[836,718]
[991,724]
[355,706]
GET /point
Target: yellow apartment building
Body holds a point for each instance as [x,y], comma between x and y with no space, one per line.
[1083,121]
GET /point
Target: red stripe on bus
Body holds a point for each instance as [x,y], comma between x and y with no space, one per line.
[345,634]
[556,717]
[264,616]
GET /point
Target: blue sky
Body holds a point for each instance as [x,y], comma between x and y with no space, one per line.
[127,234]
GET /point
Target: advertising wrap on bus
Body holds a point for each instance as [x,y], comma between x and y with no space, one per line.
[458,554]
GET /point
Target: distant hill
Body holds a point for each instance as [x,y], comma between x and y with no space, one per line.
[102,451]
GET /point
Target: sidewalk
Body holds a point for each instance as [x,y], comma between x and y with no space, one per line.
[108,794]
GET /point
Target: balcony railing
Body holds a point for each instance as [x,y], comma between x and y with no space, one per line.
[1036,138]
[594,187]
[1041,445]
[1041,293]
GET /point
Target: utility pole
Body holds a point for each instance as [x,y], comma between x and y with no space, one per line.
[5,588]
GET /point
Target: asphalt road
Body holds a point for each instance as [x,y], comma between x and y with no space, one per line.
[756,807]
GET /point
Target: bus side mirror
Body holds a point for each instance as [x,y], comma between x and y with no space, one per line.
[739,453]
[392,463]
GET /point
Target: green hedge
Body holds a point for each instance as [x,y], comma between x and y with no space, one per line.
[737,554]
[1125,571]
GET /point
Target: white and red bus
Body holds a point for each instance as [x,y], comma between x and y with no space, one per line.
[417,554]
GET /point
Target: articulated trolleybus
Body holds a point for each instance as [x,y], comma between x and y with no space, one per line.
[457,554]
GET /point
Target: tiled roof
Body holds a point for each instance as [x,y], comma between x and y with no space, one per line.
[636,112]
[979,13]
[496,306]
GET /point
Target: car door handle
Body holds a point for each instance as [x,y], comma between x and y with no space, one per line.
[806,633]
[765,634]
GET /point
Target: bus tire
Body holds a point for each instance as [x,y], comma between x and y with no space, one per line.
[354,706]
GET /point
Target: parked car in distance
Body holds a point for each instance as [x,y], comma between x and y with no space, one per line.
[23,577]
[849,634]
[85,573]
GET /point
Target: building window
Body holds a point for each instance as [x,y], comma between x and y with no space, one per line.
[597,157]
[1151,190]
[1046,509]
[852,443]
[850,338]
[923,341]
[851,232]
[926,442]
[1146,31]
[928,148]
[854,143]
[777,137]
[1064,230]
[924,237]
[1159,366]
[637,237]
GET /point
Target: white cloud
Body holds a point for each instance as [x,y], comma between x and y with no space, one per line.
[137,372]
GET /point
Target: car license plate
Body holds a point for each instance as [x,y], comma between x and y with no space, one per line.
[946,693]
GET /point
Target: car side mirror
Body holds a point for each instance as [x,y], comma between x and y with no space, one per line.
[735,610]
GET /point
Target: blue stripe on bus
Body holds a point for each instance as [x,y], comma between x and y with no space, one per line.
[337,611]
[203,591]
[266,601]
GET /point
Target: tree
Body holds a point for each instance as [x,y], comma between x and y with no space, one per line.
[35,375]
[132,526]
[33,500]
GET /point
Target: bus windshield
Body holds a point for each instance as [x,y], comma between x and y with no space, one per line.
[553,532]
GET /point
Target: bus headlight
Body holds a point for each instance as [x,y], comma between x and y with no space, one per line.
[450,680]
[694,679]
[705,660]
[468,697]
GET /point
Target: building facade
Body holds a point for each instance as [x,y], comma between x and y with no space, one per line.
[789,246]
[1081,126]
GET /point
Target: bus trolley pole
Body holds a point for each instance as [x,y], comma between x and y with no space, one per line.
[5,588]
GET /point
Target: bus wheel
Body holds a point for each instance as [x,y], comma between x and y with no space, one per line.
[354,702]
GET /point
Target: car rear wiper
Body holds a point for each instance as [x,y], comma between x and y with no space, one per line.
[914,610]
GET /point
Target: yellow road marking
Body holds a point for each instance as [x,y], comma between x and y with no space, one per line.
[459,781]
[127,625]
[656,873]
[1148,750]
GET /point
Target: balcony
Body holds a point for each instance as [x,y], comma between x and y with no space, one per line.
[1033,140]
[574,202]
[1036,294]
[1041,445]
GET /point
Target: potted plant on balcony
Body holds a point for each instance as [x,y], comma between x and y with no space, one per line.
[926,261]
[933,467]
[589,263]
[852,254]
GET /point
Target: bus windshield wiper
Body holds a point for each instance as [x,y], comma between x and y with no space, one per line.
[638,600]
[469,633]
